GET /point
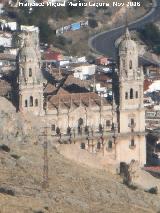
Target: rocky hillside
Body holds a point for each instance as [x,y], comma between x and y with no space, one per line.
[72,187]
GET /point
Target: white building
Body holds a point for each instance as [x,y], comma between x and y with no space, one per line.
[1,8]
[29,28]
[83,70]
[12,25]
[6,39]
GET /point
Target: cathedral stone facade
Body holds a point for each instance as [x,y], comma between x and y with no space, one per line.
[115,128]
[30,77]
[131,112]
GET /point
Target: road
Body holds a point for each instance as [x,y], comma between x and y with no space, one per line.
[104,43]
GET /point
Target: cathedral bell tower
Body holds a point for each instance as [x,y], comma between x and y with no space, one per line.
[30,76]
[131,109]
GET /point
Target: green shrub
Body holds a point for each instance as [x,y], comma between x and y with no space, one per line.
[4,148]
[15,156]
[153,190]
[47,35]
[150,33]
[92,23]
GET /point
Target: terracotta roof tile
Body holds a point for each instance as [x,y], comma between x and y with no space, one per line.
[66,100]
[152,168]
[50,88]
[5,56]
[72,80]
[146,84]
[52,56]
[61,91]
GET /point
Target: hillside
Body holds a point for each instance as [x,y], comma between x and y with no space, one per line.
[49,19]
[100,19]
[72,187]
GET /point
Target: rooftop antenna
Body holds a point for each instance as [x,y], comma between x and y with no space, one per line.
[127,34]
[126,19]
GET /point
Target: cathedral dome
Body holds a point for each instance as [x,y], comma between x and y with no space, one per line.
[127,43]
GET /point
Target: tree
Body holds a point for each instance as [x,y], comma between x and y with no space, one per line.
[2,48]
[47,35]
[157,49]
[92,23]
[150,33]
[59,13]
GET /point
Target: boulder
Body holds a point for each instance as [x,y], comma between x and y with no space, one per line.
[137,177]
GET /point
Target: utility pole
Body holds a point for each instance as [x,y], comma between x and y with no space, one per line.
[45,184]
[59,71]
[94,82]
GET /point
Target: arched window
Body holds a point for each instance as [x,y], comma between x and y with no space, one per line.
[68,130]
[126,95]
[132,121]
[36,102]
[123,63]
[31,101]
[108,123]
[79,130]
[26,103]
[83,146]
[53,127]
[86,130]
[132,142]
[109,144]
[136,94]
[130,64]
[131,93]
[98,145]
[58,131]
[100,128]
[80,122]
[30,72]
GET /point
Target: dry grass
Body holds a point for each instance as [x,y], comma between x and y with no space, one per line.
[72,187]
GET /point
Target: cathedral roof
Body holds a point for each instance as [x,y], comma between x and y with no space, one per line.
[50,88]
[62,91]
[127,43]
[69,100]
[72,80]
[6,56]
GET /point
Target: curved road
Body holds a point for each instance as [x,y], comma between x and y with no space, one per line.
[104,43]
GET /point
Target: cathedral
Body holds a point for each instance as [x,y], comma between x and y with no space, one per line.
[114,128]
